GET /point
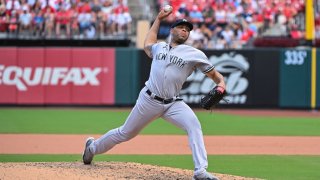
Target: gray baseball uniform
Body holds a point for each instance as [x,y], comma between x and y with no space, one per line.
[159,98]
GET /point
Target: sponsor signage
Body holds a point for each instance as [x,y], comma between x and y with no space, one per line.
[252,78]
[233,66]
[24,77]
[57,76]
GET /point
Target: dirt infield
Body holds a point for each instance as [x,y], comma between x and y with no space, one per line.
[97,171]
[177,144]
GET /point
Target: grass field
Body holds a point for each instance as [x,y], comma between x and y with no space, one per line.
[93,121]
[86,121]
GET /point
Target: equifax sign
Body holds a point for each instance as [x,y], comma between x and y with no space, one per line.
[24,77]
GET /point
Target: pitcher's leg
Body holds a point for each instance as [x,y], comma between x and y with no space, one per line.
[182,116]
[142,114]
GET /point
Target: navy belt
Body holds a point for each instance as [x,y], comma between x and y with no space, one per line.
[164,101]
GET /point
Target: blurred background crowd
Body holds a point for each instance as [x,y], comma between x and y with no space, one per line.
[219,24]
[223,24]
[64,18]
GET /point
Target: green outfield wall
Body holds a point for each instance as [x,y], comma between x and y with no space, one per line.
[299,78]
[127,76]
[295,78]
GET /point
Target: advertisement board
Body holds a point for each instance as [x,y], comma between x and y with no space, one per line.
[57,75]
[8,92]
[248,75]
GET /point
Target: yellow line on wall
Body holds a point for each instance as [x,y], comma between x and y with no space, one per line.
[313,77]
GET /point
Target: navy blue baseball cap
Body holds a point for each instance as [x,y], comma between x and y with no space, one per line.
[182,21]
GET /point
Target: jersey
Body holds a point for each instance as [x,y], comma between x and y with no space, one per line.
[171,67]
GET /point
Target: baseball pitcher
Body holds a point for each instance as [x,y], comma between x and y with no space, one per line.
[172,63]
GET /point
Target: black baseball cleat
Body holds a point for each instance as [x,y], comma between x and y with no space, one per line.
[87,155]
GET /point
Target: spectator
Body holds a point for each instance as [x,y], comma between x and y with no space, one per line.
[38,24]
[228,35]
[84,6]
[251,25]
[90,32]
[24,6]
[289,11]
[12,5]
[105,24]
[238,32]
[36,7]
[13,24]
[121,18]
[247,10]
[221,43]
[195,14]
[267,24]
[97,14]
[3,16]
[123,22]
[208,13]
[206,31]
[113,22]
[182,12]
[84,18]
[246,36]
[196,38]
[231,14]
[25,20]
[31,3]
[295,33]
[49,16]
[63,20]
[128,20]
[74,20]
[3,5]
[48,3]
[221,16]
[93,22]
[278,29]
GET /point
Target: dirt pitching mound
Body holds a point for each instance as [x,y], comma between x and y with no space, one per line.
[98,170]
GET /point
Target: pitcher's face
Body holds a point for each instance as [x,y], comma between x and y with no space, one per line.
[180,34]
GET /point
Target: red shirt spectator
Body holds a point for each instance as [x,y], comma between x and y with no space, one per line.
[45,9]
[84,8]
[289,11]
[63,16]
[121,8]
[246,35]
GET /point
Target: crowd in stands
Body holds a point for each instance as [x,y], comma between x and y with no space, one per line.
[218,24]
[64,18]
[223,24]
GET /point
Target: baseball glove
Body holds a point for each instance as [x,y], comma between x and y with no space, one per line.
[211,99]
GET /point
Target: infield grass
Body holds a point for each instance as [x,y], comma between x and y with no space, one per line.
[269,167]
[86,121]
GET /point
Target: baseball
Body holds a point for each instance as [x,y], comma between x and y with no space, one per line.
[167,8]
